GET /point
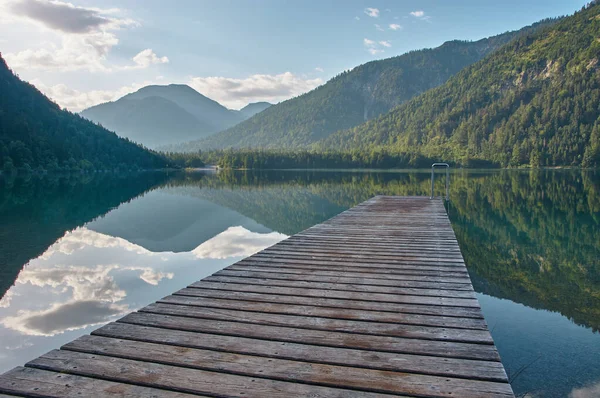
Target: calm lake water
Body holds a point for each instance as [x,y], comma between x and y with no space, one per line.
[77,252]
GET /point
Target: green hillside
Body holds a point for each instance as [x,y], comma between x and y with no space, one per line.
[354,97]
[534,102]
[36,133]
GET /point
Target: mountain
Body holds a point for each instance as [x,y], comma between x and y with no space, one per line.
[153,121]
[355,96]
[180,221]
[202,108]
[163,115]
[36,133]
[534,102]
[252,109]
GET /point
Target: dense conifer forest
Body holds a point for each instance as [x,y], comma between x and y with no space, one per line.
[35,134]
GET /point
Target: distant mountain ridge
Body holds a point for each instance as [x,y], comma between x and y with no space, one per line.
[36,134]
[164,115]
[252,109]
[355,96]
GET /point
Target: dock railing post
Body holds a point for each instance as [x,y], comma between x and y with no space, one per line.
[447,166]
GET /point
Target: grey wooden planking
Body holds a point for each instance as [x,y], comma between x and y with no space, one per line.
[375,302]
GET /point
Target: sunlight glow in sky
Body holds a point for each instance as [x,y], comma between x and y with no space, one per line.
[85,52]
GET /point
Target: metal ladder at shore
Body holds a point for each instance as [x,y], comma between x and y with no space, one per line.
[447,166]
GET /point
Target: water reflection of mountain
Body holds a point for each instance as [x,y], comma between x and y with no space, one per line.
[35,212]
[534,239]
[171,219]
[287,202]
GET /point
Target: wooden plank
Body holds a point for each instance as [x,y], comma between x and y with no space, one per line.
[328,312]
[32,382]
[289,371]
[450,266]
[349,295]
[461,312]
[341,277]
[350,287]
[374,252]
[448,349]
[378,245]
[426,270]
[326,324]
[309,235]
[391,258]
[194,381]
[383,244]
[383,233]
[349,273]
[437,366]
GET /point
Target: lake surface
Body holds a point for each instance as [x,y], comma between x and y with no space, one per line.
[77,252]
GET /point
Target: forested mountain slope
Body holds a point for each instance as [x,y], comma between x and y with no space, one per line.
[355,96]
[252,109]
[534,102]
[36,133]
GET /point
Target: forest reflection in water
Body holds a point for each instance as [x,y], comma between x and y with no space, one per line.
[85,250]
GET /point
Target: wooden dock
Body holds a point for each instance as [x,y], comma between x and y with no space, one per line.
[375,302]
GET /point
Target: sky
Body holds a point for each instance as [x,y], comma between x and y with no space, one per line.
[82,53]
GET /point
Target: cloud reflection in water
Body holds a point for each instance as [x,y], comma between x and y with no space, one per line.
[86,278]
[590,391]
[62,317]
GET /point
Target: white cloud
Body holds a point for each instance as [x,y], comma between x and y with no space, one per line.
[60,16]
[395,26]
[82,37]
[236,93]
[6,299]
[586,392]
[372,12]
[150,275]
[84,283]
[83,237]
[420,15]
[378,27]
[372,46]
[63,317]
[75,53]
[147,57]
[319,69]
[236,242]
[76,100]
[357,18]
[385,43]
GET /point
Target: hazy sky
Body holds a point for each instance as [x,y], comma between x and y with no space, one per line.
[81,53]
